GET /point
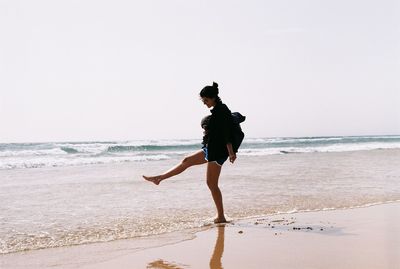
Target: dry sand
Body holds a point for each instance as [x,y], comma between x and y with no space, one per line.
[367,237]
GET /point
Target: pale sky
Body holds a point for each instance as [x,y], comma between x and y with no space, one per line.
[122,70]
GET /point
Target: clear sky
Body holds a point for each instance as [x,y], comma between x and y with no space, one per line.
[105,70]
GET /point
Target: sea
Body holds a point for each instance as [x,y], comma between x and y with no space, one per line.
[56,194]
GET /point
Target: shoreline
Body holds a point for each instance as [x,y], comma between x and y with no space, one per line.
[374,226]
[186,233]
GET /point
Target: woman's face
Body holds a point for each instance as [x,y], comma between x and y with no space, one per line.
[209,102]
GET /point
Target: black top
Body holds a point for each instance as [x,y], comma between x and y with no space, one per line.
[219,132]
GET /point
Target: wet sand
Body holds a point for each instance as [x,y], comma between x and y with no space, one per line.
[366,237]
[64,206]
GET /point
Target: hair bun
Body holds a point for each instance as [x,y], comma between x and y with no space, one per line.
[215,86]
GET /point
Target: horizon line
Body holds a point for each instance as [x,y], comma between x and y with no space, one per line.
[250,137]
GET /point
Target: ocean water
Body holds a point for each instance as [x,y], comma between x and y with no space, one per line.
[69,193]
[35,155]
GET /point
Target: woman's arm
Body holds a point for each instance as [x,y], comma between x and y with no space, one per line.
[226,123]
[224,120]
[232,154]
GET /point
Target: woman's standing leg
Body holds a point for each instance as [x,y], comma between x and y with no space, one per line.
[213,172]
[194,159]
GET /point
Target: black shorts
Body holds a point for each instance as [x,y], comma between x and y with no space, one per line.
[220,162]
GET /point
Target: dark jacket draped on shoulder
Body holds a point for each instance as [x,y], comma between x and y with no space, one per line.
[219,132]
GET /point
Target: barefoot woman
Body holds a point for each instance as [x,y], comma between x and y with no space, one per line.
[217,147]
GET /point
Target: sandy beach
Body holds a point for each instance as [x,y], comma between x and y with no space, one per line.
[367,237]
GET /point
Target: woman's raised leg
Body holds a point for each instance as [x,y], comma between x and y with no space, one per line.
[194,159]
[213,172]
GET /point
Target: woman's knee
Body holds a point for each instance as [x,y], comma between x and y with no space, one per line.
[195,159]
[212,185]
[185,160]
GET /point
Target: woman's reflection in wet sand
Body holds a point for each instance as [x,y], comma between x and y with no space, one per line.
[215,261]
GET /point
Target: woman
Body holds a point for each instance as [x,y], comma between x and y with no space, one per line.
[217,147]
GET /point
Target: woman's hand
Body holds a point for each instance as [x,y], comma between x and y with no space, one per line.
[232,158]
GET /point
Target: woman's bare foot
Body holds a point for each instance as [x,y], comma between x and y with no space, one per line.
[220,220]
[156,179]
